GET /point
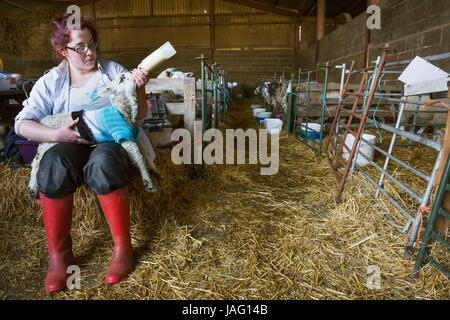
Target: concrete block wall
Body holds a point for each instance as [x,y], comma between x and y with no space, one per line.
[412,27]
[250,66]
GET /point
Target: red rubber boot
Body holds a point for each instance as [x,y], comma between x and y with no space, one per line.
[116,207]
[57,214]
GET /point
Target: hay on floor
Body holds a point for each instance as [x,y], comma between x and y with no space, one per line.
[231,234]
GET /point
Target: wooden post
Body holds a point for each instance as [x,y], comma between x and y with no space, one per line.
[212,29]
[321,8]
[295,40]
[441,225]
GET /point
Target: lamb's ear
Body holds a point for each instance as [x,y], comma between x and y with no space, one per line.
[105,91]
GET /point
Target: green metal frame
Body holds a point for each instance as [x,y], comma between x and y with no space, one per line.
[423,255]
[216,95]
[290,106]
[306,139]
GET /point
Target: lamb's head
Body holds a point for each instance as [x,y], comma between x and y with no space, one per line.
[272,88]
[167,74]
[123,90]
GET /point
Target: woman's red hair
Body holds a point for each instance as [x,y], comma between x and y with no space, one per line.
[61,33]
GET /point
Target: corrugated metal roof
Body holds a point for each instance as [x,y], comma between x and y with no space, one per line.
[176,7]
[270,35]
[226,7]
[151,37]
[158,21]
[253,18]
[129,8]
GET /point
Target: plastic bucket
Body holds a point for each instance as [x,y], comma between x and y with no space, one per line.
[273,125]
[27,149]
[364,148]
[258,110]
[7,81]
[261,116]
[313,130]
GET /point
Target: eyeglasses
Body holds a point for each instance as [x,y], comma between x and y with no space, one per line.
[83,49]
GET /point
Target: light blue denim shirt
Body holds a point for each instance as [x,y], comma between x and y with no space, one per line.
[51,92]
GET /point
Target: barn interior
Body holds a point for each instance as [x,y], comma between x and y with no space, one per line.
[331,222]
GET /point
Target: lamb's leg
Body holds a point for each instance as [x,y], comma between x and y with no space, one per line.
[138,160]
[32,185]
[148,158]
[421,130]
[403,128]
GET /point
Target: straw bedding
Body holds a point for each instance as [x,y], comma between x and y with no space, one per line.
[229,234]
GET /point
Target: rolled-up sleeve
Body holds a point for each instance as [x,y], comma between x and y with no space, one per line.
[37,106]
[119,68]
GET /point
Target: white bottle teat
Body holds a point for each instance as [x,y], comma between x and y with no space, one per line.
[165,52]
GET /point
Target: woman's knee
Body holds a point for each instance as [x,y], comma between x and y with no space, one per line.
[108,168]
[61,169]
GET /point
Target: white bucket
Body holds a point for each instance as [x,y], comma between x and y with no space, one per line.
[258,110]
[273,125]
[315,127]
[313,130]
[364,148]
[261,116]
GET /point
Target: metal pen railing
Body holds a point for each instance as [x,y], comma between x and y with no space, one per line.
[424,255]
[413,218]
[308,135]
[214,95]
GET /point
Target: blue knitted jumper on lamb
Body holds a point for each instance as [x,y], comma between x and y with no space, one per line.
[107,124]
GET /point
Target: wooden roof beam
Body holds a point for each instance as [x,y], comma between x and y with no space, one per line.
[353,5]
[85,2]
[311,9]
[265,7]
[12,3]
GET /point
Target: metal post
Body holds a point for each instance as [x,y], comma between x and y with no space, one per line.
[290,104]
[225,105]
[341,88]
[366,111]
[203,71]
[430,225]
[215,91]
[425,199]
[391,146]
[323,110]
[296,105]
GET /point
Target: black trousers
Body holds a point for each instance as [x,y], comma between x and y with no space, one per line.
[66,166]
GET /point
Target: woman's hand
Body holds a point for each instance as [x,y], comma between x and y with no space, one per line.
[69,134]
[140,76]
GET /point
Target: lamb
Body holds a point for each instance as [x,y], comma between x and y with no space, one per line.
[435,120]
[274,96]
[123,113]
[172,73]
[281,97]
[173,95]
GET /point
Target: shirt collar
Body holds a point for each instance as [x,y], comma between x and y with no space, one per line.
[63,67]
